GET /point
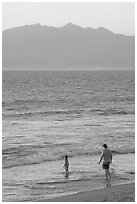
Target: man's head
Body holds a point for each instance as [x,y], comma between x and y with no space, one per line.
[105,146]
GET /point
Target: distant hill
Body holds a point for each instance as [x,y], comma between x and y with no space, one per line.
[36,46]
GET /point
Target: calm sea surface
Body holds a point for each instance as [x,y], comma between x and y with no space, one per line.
[47,114]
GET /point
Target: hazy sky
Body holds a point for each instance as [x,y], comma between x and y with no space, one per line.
[117,17]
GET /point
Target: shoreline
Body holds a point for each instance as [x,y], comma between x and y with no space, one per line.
[116,193]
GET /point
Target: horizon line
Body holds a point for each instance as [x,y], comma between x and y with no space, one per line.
[129,68]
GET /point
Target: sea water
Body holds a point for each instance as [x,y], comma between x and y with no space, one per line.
[48,114]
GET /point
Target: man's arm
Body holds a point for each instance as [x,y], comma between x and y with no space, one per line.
[111,157]
[101,158]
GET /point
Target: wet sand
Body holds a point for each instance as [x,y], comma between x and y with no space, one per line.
[118,193]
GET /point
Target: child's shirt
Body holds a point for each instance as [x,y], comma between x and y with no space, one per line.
[66,163]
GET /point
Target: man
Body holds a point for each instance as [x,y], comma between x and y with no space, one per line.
[107,157]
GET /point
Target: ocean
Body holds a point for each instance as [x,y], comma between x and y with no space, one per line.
[48,114]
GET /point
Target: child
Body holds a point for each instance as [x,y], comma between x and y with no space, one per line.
[66,164]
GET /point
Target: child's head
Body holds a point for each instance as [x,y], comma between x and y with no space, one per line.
[66,156]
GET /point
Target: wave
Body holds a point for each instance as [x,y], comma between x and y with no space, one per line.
[74,112]
[46,113]
[127,151]
[22,101]
[15,157]
[111,111]
[11,150]
[57,182]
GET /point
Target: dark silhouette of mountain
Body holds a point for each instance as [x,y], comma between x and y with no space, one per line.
[71,46]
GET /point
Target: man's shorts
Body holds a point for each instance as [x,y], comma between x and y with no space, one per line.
[106,165]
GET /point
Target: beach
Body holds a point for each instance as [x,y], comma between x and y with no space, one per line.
[118,193]
[49,114]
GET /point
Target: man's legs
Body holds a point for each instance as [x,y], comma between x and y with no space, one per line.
[107,172]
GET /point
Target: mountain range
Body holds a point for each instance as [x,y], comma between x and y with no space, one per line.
[70,46]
